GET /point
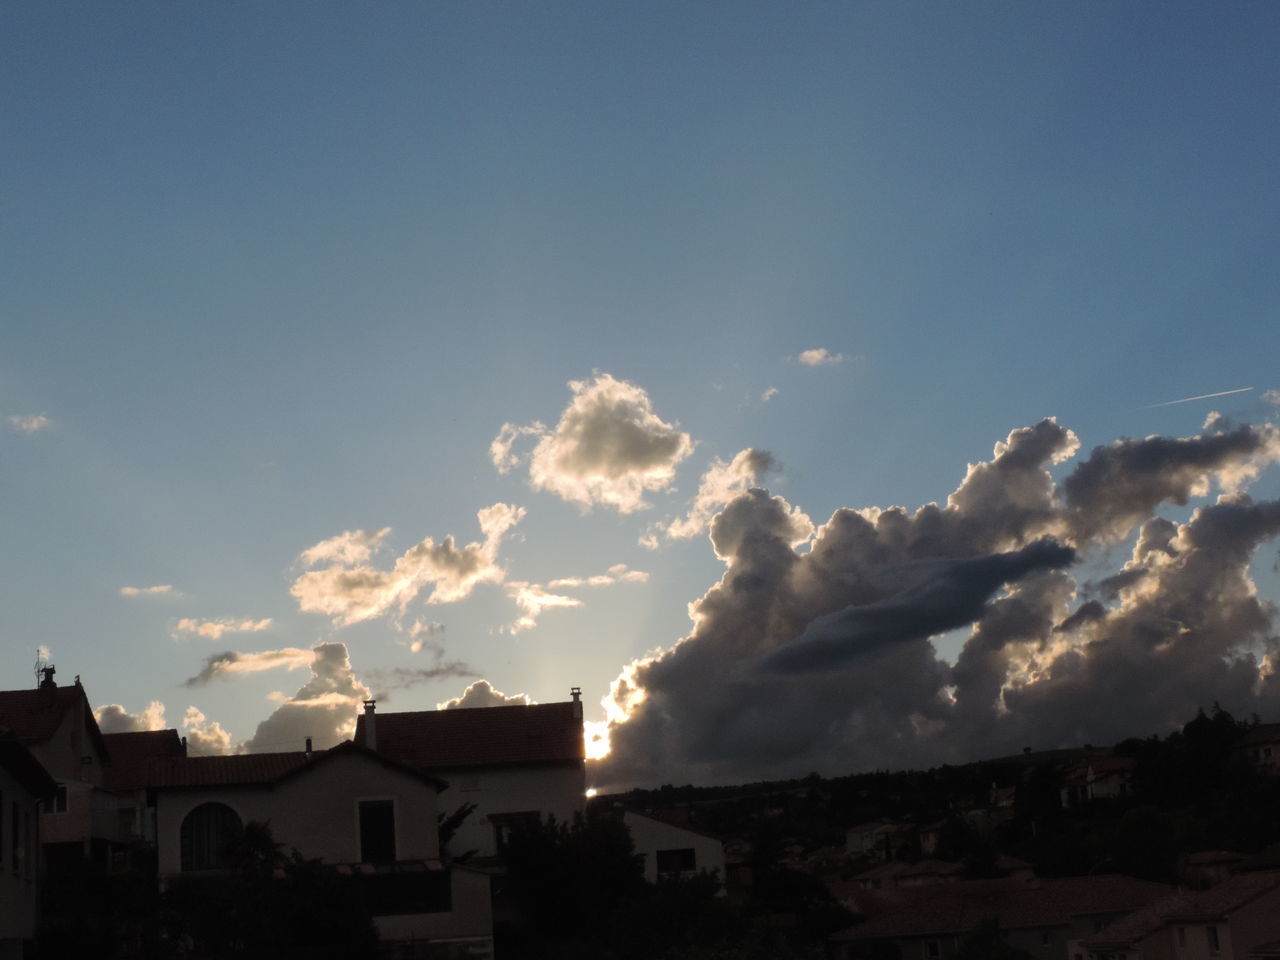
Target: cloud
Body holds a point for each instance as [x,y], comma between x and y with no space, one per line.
[1272,397]
[720,484]
[814,650]
[768,394]
[819,357]
[214,629]
[157,590]
[482,694]
[205,737]
[29,424]
[608,449]
[1121,483]
[324,708]
[533,598]
[113,718]
[348,548]
[357,592]
[222,666]
[421,634]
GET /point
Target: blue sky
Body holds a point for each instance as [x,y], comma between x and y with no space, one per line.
[276,272]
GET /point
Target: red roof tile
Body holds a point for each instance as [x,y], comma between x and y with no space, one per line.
[1212,904]
[479,736]
[131,754]
[961,906]
[34,715]
[257,769]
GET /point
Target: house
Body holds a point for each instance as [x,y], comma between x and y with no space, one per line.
[1262,745]
[1226,922]
[516,764]
[128,777]
[674,852]
[876,839]
[23,784]
[56,724]
[1042,917]
[371,818]
[1097,778]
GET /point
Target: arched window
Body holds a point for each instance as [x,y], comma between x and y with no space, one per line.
[209,836]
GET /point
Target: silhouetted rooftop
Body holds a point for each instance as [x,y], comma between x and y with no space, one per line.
[479,736]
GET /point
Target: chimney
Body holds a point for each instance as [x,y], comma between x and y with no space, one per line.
[576,694]
[370,733]
[308,748]
[47,681]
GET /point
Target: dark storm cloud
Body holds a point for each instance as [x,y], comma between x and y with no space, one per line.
[1046,662]
[1120,484]
[940,595]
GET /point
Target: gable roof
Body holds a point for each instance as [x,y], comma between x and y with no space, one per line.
[961,906]
[479,736]
[1212,904]
[18,762]
[131,755]
[33,716]
[259,769]
[1261,733]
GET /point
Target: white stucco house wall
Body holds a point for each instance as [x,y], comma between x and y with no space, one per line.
[672,851]
[369,817]
[517,764]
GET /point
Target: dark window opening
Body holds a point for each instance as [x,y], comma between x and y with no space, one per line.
[60,799]
[209,837]
[676,861]
[505,824]
[377,831]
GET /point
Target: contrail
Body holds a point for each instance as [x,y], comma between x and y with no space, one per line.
[1203,396]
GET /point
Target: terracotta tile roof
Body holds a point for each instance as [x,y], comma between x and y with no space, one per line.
[257,769]
[34,715]
[1262,733]
[131,754]
[247,769]
[961,906]
[479,736]
[1212,904]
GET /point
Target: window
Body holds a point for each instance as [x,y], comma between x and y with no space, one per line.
[676,861]
[28,848]
[1182,936]
[209,836]
[1212,933]
[1044,938]
[932,949]
[505,824]
[377,831]
[60,799]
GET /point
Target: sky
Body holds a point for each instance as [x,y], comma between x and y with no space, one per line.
[439,352]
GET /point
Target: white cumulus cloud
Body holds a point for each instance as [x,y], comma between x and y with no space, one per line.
[819,357]
[609,448]
[214,629]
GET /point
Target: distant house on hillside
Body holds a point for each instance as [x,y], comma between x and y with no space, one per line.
[1228,921]
[1097,778]
[517,764]
[56,724]
[371,818]
[1262,745]
[1041,917]
[23,784]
